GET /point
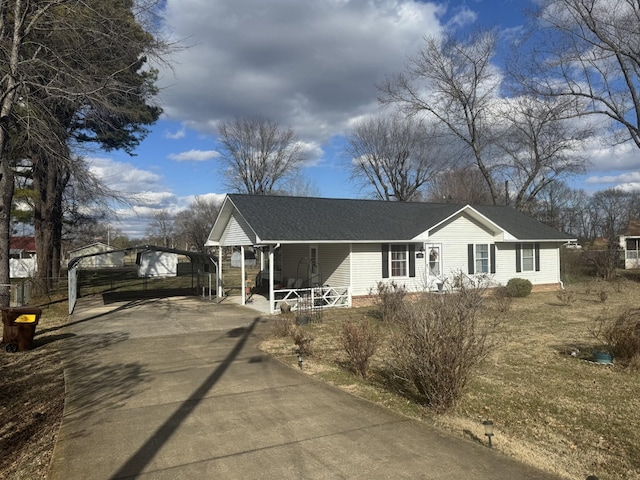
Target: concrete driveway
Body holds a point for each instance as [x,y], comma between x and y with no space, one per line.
[175,388]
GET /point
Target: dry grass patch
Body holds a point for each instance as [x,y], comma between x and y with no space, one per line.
[552,407]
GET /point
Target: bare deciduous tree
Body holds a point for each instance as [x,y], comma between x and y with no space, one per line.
[540,143]
[611,211]
[591,52]
[564,208]
[162,229]
[259,155]
[397,156]
[454,82]
[194,224]
[462,185]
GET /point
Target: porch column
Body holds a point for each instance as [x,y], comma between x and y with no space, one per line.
[271,280]
[243,286]
[220,283]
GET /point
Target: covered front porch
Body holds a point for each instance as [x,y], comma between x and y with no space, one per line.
[291,277]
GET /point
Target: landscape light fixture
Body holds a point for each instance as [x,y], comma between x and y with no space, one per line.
[300,361]
[488,430]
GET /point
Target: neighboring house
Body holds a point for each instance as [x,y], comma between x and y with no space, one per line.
[340,249]
[630,243]
[98,255]
[22,257]
[154,263]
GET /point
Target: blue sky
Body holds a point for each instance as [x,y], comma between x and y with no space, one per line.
[309,65]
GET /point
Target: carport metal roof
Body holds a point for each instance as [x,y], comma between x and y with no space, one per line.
[198,257]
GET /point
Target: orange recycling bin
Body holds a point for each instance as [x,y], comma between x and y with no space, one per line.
[19,327]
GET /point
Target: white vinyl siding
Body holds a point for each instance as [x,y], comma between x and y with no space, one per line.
[455,236]
[334,264]
[549,271]
[366,267]
[237,232]
[295,262]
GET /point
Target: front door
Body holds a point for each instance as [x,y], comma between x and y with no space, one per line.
[434,264]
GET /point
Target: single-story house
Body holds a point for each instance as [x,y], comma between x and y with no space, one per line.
[22,257]
[98,255]
[338,250]
[630,244]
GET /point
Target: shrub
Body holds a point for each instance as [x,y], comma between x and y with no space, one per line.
[567,297]
[389,299]
[282,325]
[519,287]
[437,344]
[303,339]
[603,295]
[622,336]
[502,299]
[360,341]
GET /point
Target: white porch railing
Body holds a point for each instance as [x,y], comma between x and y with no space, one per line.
[320,297]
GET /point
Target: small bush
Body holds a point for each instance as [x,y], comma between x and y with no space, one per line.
[389,298]
[519,287]
[567,297]
[622,336]
[360,341]
[438,343]
[502,299]
[303,340]
[282,325]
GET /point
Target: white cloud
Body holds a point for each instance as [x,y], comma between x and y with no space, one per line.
[462,18]
[310,66]
[606,158]
[123,177]
[194,156]
[623,178]
[177,135]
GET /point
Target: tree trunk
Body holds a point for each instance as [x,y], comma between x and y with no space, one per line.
[49,181]
[6,192]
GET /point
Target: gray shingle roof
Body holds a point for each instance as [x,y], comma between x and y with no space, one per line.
[520,225]
[283,218]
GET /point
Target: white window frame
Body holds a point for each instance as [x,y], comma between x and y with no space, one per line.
[531,258]
[399,248]
[478,260]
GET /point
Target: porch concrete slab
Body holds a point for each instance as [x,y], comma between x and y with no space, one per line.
[211,405]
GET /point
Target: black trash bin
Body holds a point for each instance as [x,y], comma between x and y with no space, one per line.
[19,327]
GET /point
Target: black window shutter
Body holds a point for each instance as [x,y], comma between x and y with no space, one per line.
[537,258]
[470,258]
[492,257]
[412,260]
[518,257]
[385,260]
